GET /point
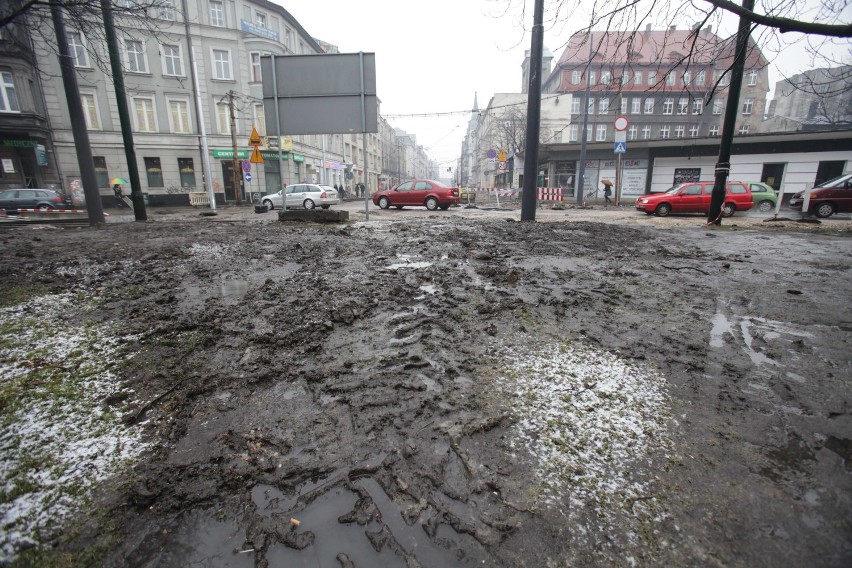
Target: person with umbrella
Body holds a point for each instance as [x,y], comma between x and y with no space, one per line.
[607,191]
[119,193]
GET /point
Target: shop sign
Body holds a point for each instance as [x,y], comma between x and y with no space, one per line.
[252,28]
[298,158]
[273,155]
[41,155]
[20,143]
[229,154]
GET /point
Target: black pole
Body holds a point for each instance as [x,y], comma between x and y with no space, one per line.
[123,113]
[723,164]
[581,170]
[528,199]
[78,123]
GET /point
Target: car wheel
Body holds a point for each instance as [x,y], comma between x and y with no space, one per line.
[325,206]
[765,206]
[44,207]
[431,203]
[663,209]
[384,202]
[728,209]
[268,204]
[309,204]
[824,210]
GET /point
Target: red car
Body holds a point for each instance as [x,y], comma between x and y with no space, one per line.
[419,192]
[694,197]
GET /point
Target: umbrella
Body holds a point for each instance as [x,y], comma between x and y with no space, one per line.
[119,181]
[606,182]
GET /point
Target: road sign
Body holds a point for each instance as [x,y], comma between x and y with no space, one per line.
[246,166]
[620,147]
[502,156]
[620,136]
[254,139]
[501,165]
[256,157]
[492,153]
[621,123]
[248,177]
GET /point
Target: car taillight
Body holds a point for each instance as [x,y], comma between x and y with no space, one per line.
[58,199]
[322,195]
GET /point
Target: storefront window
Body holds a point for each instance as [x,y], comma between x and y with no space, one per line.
[565,172]
[187,172]
[154,172]
[101,172]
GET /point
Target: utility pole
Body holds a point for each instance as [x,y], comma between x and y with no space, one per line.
[528,197]
[581,171]
[78,123]
[236,166]
[123,112]
[723,164]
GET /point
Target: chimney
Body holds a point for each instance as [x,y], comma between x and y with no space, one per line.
[648,28]
[709,29]
[672,28]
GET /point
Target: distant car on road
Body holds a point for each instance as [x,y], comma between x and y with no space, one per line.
[763,195]
[827,198]
[694,197]
[426,193]
[302,195]
[44,199]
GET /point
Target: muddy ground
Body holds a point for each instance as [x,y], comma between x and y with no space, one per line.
[358,395]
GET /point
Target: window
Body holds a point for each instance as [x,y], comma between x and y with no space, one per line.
[166,10]
[136,60]
[697,106]
[680,130]
[635,105]
[693,131]
[649,106]
[687,78]
[589,133]
[747,106]
[575,77]
[260,119]
[223,118]
[77,47]
[601,133]
[717,106]
[603,105]
[670,79]
[572,133]
[637,77]
[724,78]
[575,105]
[665,131]
[623,109]
[179,116]
[143,112]
[172,61]
[625,78]
[682,105]
[752,78]
[714,130]
[646,132]
[217,13]
[222,64]
[90,111]
[186,169]
[700,78]
[668,106]
[743,129]
[652,77]
[260,20]
[591,106]
[606,77]
[101,171]
[154,171]
[632,132]
[255,67]
[8,94]
[592,78]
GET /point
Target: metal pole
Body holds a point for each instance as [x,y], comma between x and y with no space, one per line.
[123,112]
[528,198]
[723,164]
[581,173]
[278,132]
[364,136]
[236,164]
[199,116]
[78,122]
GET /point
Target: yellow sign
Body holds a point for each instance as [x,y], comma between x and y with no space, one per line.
[255,140]
[502,156]
[256,157]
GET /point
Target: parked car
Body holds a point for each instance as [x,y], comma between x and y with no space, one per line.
[419,192]
[827,198]
[694,197]
[44,199]
[763,195]
[302,195]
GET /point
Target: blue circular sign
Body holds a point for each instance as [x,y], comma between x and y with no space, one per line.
[248,176]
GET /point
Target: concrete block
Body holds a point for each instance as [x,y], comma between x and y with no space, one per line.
[314,215]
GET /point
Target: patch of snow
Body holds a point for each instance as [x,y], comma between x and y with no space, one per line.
[58,439]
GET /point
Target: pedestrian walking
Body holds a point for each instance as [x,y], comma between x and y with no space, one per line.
[119,195]
[607,192]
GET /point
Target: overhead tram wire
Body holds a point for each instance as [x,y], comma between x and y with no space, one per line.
[455,112]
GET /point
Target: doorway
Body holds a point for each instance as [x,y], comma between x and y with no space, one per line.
[829,170]
[228,180]
[772,175]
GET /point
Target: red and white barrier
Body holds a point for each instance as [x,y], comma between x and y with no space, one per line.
[542,193]
[52,211]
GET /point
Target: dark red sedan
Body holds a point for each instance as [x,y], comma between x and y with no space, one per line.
[419,192]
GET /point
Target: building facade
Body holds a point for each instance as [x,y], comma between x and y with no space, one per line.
[816,100]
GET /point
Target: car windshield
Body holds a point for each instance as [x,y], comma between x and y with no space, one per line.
[673,189]
[327,188]
[833,181]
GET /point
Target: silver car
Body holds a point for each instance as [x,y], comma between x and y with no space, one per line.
[303,195]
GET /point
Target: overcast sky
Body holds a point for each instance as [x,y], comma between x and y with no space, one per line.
[434,56]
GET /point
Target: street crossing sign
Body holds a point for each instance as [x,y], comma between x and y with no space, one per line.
[620,147]
[256,157]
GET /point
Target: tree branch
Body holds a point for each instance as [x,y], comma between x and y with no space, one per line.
[785,25]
